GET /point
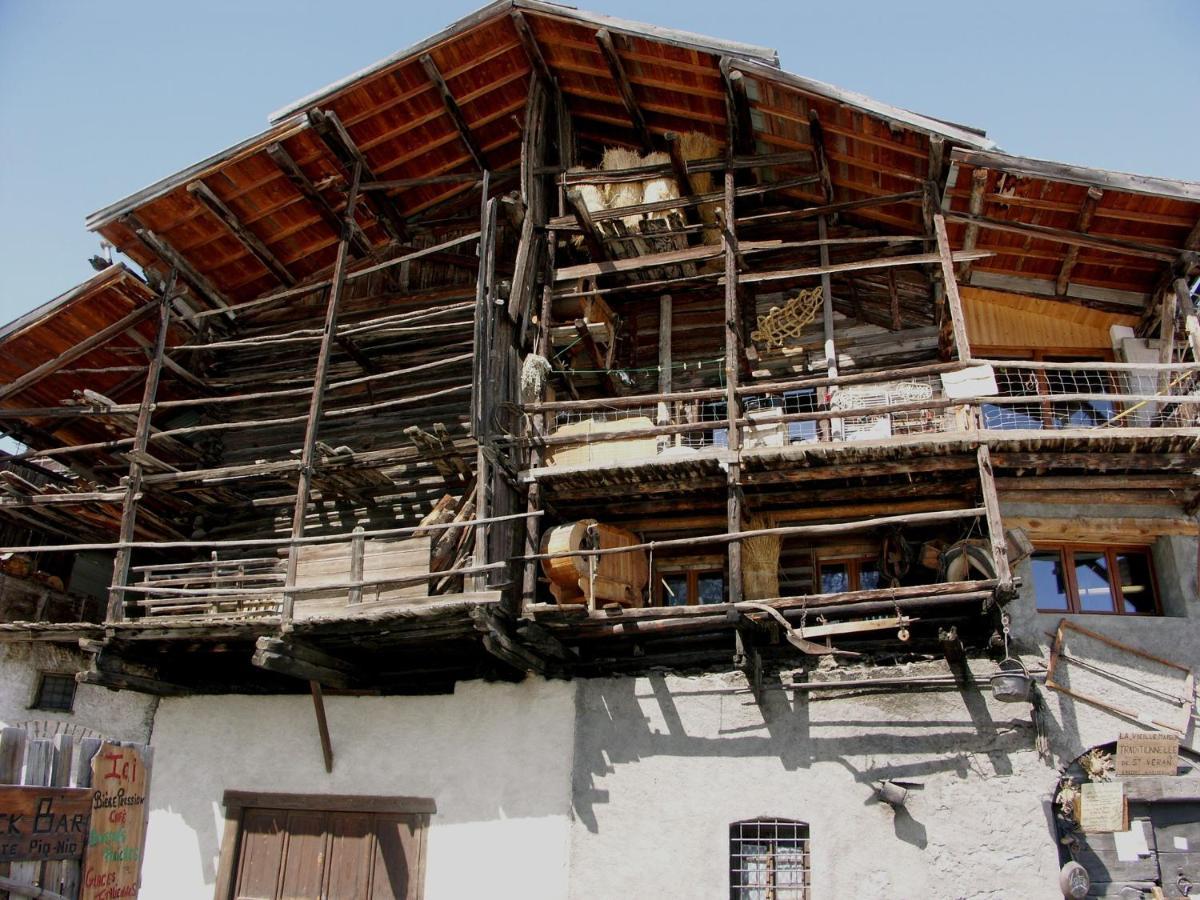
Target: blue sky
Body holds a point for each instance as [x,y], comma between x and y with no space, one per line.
[99,99]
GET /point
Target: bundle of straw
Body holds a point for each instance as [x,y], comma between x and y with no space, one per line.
[760,562]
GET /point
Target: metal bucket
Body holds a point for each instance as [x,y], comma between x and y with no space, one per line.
[1012,683]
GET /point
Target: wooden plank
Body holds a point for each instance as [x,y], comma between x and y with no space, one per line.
[979,179]
[733,499]
[113,862]
[318,699]
[452,109]
[950,282]
[883,262]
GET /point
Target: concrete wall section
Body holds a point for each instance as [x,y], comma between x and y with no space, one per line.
[98,712]
[495,758]
[665,764]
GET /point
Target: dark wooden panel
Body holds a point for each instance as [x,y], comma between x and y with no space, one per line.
[304,856]
[396,872]
[351,844]
[261,854]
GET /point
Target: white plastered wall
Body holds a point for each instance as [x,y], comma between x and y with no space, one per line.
[98,712]
[496,760]
[665,764]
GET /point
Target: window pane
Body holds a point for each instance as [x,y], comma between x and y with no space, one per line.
[868,575]
[675,589]
[1093,580]
[711,586]
[56,692]
[1137,587]
[835,578]
[1049,580]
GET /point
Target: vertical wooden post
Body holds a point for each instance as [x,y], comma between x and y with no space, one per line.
[133,482]
[991,505]
[1166,336]
[358,548]
[664,363]
[318,698]
[1183,294]
[950,285]
[317,401]
[481,392]
[732,410]
[831,363]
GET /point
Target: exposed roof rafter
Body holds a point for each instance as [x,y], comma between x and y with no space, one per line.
[460,123]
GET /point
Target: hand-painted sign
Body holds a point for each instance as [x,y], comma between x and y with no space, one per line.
[1102,807]
[113,863]
[1147,753]
[41,823]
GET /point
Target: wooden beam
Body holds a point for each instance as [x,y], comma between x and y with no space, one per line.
[979,179]
[318,699]
[991,505]
[1070,238]
[68,356]
[133,481]
[452,109]
[533,50]
[204,195]
[950,284]
[739,122]
[317,402]
[1082,224]
[335,136]
[664,357]
[583,217]
[683,178]
[894,298]
[733,502]
[608,49]
[126,681]
[820,160]
[175,260]
[359,245]
[1183,296]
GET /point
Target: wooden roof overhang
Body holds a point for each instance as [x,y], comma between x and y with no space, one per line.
[1085,235]
[55,352]
[264,214]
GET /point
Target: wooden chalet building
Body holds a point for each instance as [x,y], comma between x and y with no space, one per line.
[573,457]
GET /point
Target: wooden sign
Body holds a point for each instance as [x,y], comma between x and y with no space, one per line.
[112,866]
[1147,753]
[1102,807]
[43,823]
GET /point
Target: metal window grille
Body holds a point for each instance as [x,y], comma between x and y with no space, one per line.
[55,692]
[769,860]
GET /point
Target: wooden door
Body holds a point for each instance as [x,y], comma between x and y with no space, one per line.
[298,854]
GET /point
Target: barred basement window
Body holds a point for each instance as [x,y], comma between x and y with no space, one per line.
[55,692]
[768,860]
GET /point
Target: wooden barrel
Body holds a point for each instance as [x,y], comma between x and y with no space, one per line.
[619,577]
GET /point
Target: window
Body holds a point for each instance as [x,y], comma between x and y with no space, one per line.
[55,692]
[689,586]
[284,845]
[1085,579]
[768,860]
[840,575]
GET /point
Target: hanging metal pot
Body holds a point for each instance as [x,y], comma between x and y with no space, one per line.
[1012,683]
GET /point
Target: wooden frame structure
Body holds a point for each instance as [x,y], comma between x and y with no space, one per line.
[384,324]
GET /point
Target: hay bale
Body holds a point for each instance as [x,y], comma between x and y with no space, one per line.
[696,145]
[656,189]
[760,562]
